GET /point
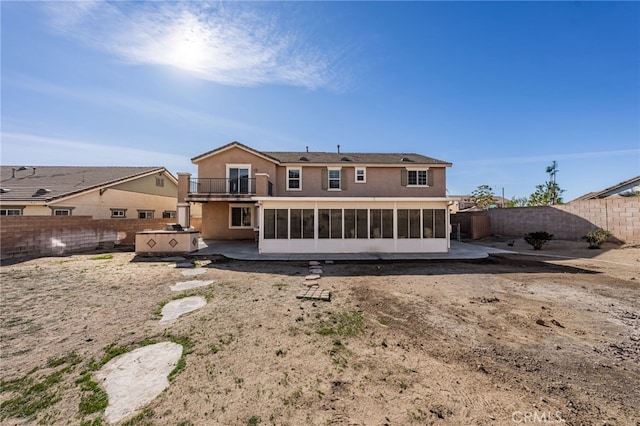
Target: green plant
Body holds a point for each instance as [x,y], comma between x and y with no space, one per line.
[597,237]
[538,239]
[253,421]
[102,257]
[342,324]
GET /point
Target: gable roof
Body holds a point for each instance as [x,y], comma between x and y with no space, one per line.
[616,189]
[49,183]
[230,145]
[304,157]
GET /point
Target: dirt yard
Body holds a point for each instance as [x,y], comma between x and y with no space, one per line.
[512,339]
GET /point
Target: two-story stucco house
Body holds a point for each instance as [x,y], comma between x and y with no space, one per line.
[319,202]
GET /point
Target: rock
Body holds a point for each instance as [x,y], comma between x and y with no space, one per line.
[312,277]
[134,379]
[176,308]
[556,323]
[541,322]
[192,272]
[186,285]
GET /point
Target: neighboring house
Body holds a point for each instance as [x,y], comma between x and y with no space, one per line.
[99,192]
[318,202]
[628,188]
[467,203]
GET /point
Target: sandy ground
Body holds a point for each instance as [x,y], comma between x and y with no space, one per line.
[505,340]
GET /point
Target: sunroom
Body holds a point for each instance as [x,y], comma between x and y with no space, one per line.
[365,225]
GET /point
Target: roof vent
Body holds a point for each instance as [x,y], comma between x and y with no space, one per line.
[304,159]
[42,191]
[406,160]
[345,159]
[4,190]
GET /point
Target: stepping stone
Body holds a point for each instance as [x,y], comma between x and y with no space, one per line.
[173,259]
[315,270]
[176,308]
[329,262]
[186,285]
[312,277]
[315,293]
[311,283]
[314,263]
[194,271]
[132,380]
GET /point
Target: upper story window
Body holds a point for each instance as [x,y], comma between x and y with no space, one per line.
[238,178]
[361,175]
[160,182]
[417,177]
[334,179]
[294,179]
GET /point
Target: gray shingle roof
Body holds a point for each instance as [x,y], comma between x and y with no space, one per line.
[353,157]
[332,157]
[47,183]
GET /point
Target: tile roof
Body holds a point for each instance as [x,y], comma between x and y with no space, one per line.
[47,183]
[353,157]
[305,157]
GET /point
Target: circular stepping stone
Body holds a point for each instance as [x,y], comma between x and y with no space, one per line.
[314,263]
[176,308]
[186,285]
[193,272]
[134,379]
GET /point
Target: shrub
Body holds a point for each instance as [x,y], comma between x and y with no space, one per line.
[597,237]
[538,239]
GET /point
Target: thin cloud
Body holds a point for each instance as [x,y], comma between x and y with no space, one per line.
[18,148]
[233,44]
[549,157]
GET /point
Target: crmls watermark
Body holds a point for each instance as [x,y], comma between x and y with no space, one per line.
[545,417]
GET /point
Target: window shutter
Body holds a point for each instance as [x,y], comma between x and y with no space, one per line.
[324,177]
[403,177]
[343,179]
[430,177]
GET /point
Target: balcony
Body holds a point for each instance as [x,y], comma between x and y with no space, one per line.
[237,187]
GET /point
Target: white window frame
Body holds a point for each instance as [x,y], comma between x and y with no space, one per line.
[241,206]
[299,169]
[5,212]
[238,166]
[148,214]
[416,171]
[115,213]
[334,169]
[169,214]
[58,211]
[364,175]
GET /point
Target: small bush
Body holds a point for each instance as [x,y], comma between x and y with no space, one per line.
[597,237]
[538,239]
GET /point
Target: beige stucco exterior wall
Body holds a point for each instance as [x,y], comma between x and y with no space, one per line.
[147,185]
[215,223]
[380,182]
[99,206]
[216,165]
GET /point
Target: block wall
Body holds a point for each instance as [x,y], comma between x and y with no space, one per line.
[619,215]
[33,236]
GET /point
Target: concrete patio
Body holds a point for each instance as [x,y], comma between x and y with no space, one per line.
[248,250]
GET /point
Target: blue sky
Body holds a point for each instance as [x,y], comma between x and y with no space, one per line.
[500,89]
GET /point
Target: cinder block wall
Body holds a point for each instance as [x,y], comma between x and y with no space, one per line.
[619,215]
[32,236]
